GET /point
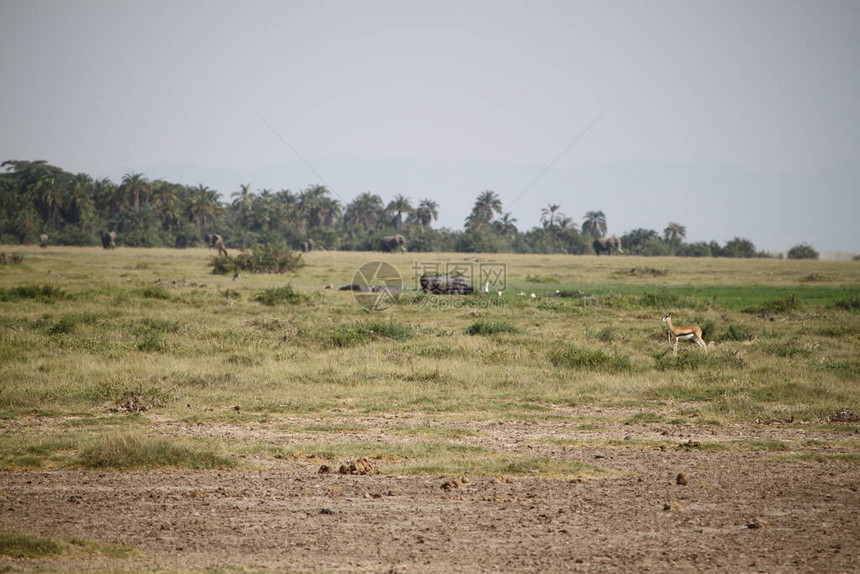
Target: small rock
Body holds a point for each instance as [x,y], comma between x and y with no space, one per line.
[325,469]
[681,479]
[674,506]
[757,523]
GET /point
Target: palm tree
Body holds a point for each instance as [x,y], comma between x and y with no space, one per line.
[504,225]
[243,206]
[674,234]
[134,185]
[427,211]
[487,205]
[549,214]
[203,207]
[317,208]
[365,211]
[165,196]
[398,206]
[594,224]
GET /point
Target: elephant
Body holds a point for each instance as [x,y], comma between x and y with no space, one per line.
[217,242]
[109,239]
[391,242]
[445,285]
[43,240]
[607,245]
[307,245]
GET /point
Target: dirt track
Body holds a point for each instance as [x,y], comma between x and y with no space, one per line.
[739,511]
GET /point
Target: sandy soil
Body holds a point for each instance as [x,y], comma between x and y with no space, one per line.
[738,511]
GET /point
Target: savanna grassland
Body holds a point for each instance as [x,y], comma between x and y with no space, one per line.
[154,416]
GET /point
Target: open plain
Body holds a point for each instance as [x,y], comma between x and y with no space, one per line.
[157,417]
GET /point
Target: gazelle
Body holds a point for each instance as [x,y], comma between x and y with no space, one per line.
[692,332]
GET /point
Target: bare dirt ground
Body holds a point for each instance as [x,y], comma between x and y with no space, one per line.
[739,511]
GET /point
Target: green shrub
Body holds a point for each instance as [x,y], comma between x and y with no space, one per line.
[45,293]
[491,328]
[587,359]
[802,251]
[280,295]
[270,258]
[736,333]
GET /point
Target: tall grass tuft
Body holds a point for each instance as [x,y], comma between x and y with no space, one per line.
[280,296]
[17,545]
[359,333]
[44,293]
[849,304]
[129,452]
[778,305]
[491,328]
[588,359]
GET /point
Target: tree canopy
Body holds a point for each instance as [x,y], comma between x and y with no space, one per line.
[75,209]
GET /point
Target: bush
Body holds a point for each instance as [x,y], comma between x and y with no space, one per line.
[802,251]
[271,258]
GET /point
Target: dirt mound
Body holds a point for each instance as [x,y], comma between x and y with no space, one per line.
[360,466]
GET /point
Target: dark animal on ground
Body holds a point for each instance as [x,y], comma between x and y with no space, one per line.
[607,245]
[109,239]
[390,243]
[445,285]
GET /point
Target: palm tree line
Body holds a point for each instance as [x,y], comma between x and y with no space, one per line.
[36,197]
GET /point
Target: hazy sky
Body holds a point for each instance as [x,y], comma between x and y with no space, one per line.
[732,118]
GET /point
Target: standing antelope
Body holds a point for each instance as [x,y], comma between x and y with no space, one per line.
[692,332]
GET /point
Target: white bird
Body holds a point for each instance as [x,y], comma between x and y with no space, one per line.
[522,294]
[533,295]
[487,287]
[499,292]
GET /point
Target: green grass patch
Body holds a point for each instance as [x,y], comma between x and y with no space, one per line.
[848,304]
[570,357]
[130,452]
[359,333]
[285,295]
[17,545]
[43,293]
[491,328]
[785,304]
[153,292]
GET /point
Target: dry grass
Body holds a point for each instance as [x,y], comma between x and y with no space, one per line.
[145,335]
